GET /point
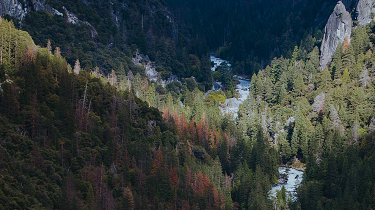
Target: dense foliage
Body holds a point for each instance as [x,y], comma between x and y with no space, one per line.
[344,179]
[71,139]
[322,117]
[251,33]
[119,29]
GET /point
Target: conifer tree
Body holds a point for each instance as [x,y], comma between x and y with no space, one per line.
[268,90]
[345,80]
[298,85]
[314,58]
[348,59]
[282,94]
[90,199]
[128,199]
[254,89]
[294,56]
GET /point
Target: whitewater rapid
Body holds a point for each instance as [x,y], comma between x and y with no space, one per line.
[294,179]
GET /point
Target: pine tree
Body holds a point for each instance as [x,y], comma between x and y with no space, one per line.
[337,68]
[90,199]
[128,199]
[278,67]
[254,89]
[284,146]
[345,79]
[294,56]
[324,80]
[282,94]
[268,90]
[298,85]
[314,58]
[337,65]
[309,68]
[348,59]
[158,161]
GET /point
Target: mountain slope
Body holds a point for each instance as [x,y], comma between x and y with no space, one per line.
[108,35]
[251,33]
[72,141]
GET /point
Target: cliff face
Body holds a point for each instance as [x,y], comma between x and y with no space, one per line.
[338,27]
[12,8]
[18,10]
[42,5]
[364,9]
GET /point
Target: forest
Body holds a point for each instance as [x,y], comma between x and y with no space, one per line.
[251,33]
[81,126]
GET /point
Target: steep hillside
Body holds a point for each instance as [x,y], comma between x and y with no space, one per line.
[82,125]
[108,34]
[324,118]
[251,33]
[72,141]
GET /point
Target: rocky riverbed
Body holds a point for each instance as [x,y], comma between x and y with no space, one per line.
[232,105]
[290,178]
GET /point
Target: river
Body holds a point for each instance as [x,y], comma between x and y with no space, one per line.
[293,180]
[231,106]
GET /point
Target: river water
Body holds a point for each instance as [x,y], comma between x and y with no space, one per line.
[217,62]
[231,107]
[294,179]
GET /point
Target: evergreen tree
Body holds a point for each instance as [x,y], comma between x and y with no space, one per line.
[298,85]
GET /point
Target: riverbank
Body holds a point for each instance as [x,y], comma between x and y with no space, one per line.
[231,105]
[290,178]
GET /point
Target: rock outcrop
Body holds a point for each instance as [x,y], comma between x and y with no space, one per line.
[12,8]
[73,19]
[41,5]
[338,27]
[18,10]
[365,10]
[144,60]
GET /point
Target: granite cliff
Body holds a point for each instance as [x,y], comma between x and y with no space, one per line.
[337,29]
[19,9]
[12,8]
[365,11]
[339,25]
